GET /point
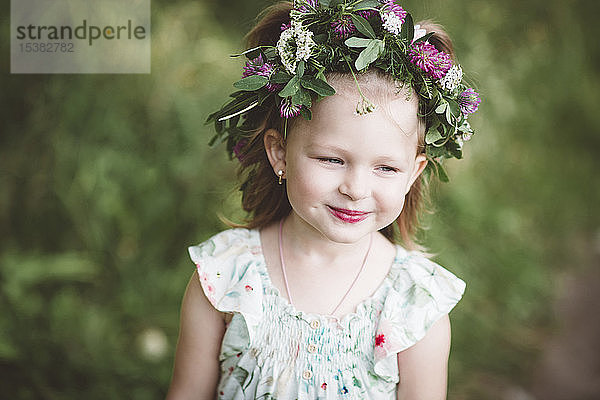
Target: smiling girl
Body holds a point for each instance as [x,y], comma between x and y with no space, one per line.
[342,106]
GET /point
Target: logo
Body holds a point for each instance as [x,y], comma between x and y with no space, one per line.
[81,36]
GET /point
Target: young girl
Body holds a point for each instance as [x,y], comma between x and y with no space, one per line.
[342,106]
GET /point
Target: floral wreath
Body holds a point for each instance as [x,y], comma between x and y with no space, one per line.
[347,36]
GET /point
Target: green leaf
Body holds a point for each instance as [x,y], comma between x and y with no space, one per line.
[433,151]
[271,53]
[318,86]
[306,113]
[366,4]
[251,83]
[442,173]
[237,106]
[220,127]
[320,38]
[455,150]
[250,53]
[321,75]
[441,108]
[424,38]
[454,107]
[234,121]
[449,116]
[213,140]
[263,95]
[370,54]
[408,29]
[363,26]
[238,93]
[300,69]
[432,136]
[428,169]
[211,117]
[357,42]
[302,96]
[291,88]
[280,77]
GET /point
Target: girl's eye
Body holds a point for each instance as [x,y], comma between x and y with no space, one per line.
[331,160]
[385,168]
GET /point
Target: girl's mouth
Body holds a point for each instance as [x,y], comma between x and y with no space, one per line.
[349,216]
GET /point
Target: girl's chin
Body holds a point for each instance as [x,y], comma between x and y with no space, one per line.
[335,226]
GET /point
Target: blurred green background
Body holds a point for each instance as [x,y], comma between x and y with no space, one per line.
[106,179]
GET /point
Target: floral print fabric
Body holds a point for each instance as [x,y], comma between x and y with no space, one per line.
[270,350]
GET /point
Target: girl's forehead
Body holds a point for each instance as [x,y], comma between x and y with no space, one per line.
[393,111]
[390,131]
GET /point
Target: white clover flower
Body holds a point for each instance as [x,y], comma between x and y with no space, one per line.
[419,32]
[305,43]
[365,106]
[285,47]
[392,22]
[295,44]
[452,79]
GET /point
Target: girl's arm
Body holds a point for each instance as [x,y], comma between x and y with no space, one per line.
[423,368]
[196,370]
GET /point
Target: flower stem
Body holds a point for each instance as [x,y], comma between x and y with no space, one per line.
[355,80]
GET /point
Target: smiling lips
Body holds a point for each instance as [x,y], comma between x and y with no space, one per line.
[349,216]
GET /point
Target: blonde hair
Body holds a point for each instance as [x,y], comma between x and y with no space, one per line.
[262,197]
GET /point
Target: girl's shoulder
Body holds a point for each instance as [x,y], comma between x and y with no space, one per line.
[414,268]
[420,292]
[230,267]
[422,286]
[224,241]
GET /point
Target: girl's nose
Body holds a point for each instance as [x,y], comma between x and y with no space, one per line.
[355,185]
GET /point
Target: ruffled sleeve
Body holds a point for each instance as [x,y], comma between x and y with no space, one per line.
[421,293]
[229,276]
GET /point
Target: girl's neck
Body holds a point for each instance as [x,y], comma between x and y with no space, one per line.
[302,241]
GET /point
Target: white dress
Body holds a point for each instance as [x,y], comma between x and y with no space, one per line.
[270,350]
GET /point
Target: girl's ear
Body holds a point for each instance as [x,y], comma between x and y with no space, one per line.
[275,148]
[420,164]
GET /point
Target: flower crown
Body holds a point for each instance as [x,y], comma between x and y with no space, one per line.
[346,36]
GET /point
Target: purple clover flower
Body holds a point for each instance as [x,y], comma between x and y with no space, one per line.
[430,60]
[390,6]
[238,149]
[468,101]
[257,66]
[289,110]
[252,66]
[366,14]
[285,27]
[313,3]
[344,27]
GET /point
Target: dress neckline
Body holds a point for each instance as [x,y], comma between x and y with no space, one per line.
[400,257]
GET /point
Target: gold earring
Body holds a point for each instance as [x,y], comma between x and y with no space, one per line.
[280,174]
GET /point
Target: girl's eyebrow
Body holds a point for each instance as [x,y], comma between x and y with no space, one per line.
[321,147]
[384,158]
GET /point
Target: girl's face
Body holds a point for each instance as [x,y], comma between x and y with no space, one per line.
[347,174]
